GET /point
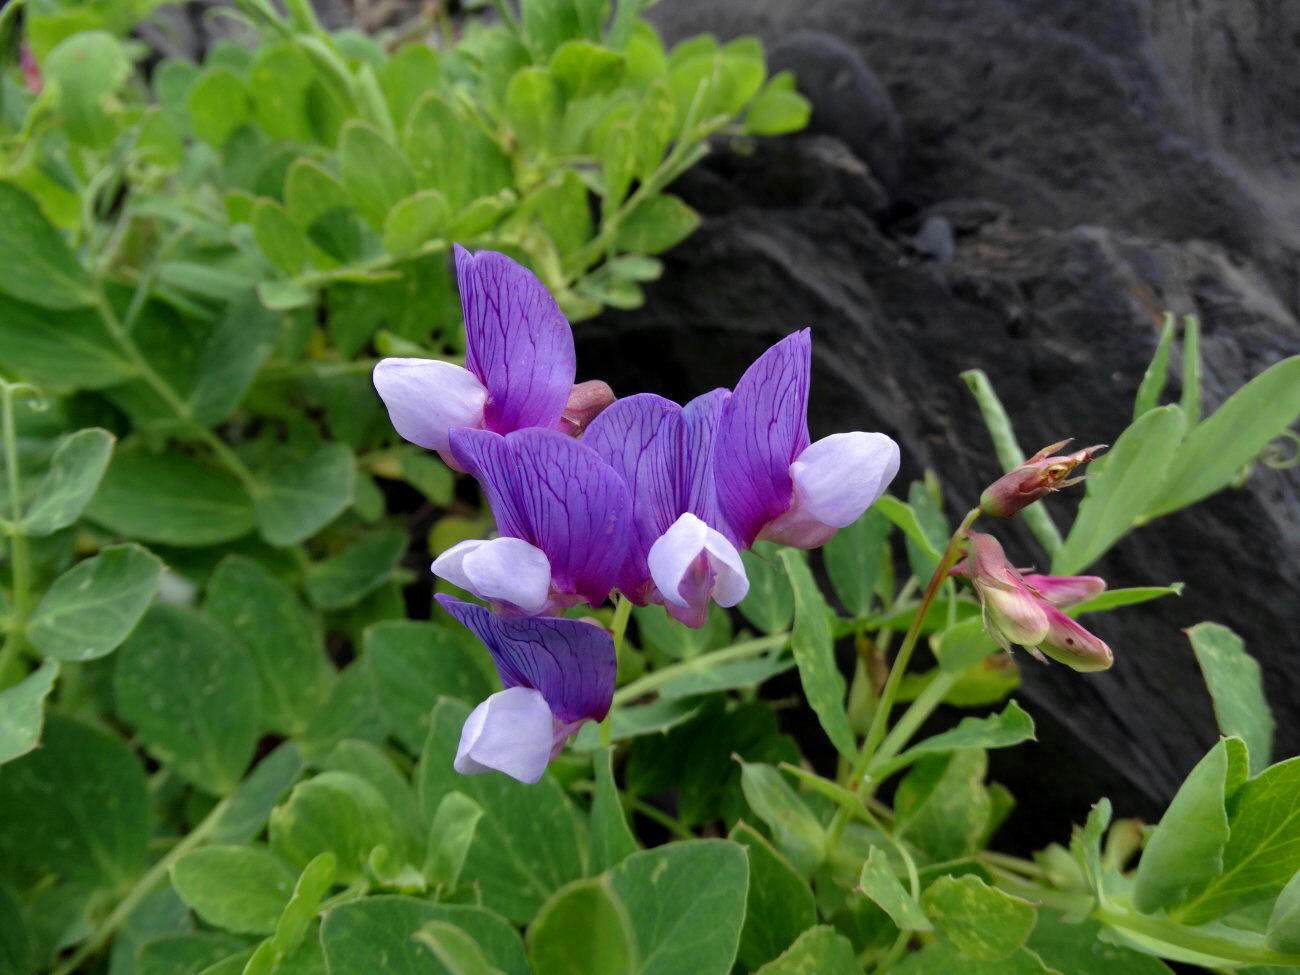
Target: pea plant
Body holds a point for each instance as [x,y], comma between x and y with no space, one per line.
[265,324]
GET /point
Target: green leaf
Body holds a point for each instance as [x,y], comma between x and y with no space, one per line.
[280,239]
[39,266]
[584,69]
[814,650]
[335,812]
[311,190]
[415,220]
[1122,490]
[879,882]
[77,806]
[1186,849]
[1261,854]
[1114,598]
[357,571]
[778,108]
[15,945]
[218,104]
[1191,398]
[188,954]
[661,632]
[76,469]
[191,692]
[1085,846]
[795,830]
[311,886]
[455,950]
[611,839]
[283,639]
[250,805]
[451,155]
[686,902]
[852,558]
[369,762]
[942,805]
[1078,948]
[238,888]
[1236,685]
[818,951]
[377,934]
[1229,439]
[1153,380]
[583,928]
[906,519]
[980,921]
[1011,727]
[450,836]
[1283,933]
[526,846]
[298,496]
[350,711]
[22,711]
[153,498]
[88,68]
[533,107]
[943,958]
[769,604]
[963,645]
[375,174]
[547,24]
[94,606]
[655,225]
[413,664]
[779,904]
[72,351]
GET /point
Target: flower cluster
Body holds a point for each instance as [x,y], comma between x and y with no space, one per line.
[592,494]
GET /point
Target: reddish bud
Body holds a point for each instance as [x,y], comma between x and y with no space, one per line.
[31,70]
[1036,477]
[1065,590]
[1069,643]
[585,402]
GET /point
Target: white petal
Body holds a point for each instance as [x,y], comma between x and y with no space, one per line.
[503,570]
[692,552]
[509,732]
[428,397]
[840,476]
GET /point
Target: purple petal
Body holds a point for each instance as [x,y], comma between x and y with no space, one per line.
[427,397]
[557,494]
[570,662]
[629,435]
[517,341]
[764,427]
[697,491]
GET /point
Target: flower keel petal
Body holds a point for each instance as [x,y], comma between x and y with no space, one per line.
[510,732]
[426,398]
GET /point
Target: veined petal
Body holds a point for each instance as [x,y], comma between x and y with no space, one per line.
[427,397]
[1065,590]
[510,732]
[517,341]
[570,662]
[558,495]
[696,487]
[763,428]
[691,563]
[504,570]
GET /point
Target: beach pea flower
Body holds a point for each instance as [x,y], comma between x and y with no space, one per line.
[519,361]
[555,674]
[562,517]
[771,482]
[679,553]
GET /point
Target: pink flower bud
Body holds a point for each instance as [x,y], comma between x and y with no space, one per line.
[1036,477]
[585,402]
[1065,590]
[1069,643]
[31,70]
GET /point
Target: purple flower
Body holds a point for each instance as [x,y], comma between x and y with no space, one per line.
[519,360]
[555,674]
[680,553]
[562,515]
[771,483]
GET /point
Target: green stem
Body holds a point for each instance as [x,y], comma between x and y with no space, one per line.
[19,554]
[881,767]
[885,705]
[622,610]
[659,816]
[651,682]
[140,890]
[1176,935]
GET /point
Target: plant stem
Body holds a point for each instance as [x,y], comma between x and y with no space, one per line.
[885,705]
[141,889]
[622,610]
[650,682]
[659,816]
[880,767]
[1191,939]
[19,554]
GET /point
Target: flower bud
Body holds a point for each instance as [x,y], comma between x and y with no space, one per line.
[1036,477]
[585,402]
[1065,590]
[1012,613]
[1069,643]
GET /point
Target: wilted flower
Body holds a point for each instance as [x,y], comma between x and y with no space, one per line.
[555,674]
[519,361]
[1016,612]
[563,518]
[679,552]
[771,482]
[1035,478]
